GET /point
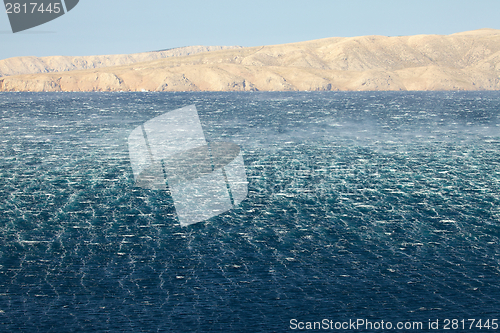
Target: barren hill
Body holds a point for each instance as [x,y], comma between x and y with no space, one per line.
[463,61]
[34,65]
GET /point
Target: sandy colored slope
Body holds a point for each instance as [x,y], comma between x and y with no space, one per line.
[463,61]
[34,65]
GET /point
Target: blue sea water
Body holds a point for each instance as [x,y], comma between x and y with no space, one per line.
[372,205]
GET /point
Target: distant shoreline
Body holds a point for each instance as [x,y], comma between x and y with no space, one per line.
[467,61]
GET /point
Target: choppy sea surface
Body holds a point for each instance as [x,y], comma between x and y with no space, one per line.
[373,205]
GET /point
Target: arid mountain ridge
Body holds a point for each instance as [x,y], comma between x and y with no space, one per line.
[34,65]
[463,61]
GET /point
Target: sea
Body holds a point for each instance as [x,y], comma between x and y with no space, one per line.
[365,212]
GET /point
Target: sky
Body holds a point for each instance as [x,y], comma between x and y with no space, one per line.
[97,27]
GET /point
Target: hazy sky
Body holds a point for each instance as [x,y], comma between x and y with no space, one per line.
[128,26]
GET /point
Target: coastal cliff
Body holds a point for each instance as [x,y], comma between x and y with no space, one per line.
[462,61]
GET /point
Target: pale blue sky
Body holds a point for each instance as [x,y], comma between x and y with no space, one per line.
[128,26]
